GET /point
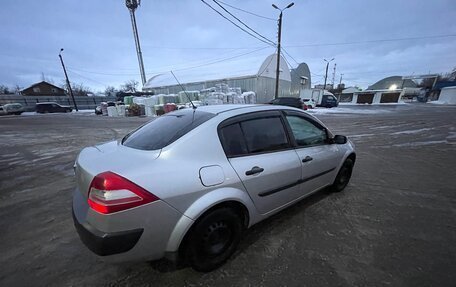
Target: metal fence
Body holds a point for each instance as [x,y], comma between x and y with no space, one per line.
[29,102]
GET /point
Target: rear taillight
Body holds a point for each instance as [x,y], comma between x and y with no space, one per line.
[109,192]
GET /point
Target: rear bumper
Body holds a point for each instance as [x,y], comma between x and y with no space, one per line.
[138,234]
[107,243]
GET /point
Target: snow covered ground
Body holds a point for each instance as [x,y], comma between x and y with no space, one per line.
[349,110]
[80,112]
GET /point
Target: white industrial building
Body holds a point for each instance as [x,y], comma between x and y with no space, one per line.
[260,79]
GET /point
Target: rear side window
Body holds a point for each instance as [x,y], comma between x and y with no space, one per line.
[165,129]
[254,136]
[266,134]
[233,140]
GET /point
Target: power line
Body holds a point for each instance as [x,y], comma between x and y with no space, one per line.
[251,13]
[95,81]
[218,12]
[288,63]
[180,69]
[215,1]
[197,62]
[222,60]
[297,63]
[372,41]
[198,48]
[259,74]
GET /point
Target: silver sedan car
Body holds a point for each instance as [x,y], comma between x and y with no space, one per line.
[189,183]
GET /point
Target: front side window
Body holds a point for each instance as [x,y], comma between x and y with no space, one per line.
[305,132]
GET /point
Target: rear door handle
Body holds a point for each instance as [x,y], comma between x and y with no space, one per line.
[254,170]
[307,158]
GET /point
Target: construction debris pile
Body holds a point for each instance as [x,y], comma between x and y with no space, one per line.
[160,104]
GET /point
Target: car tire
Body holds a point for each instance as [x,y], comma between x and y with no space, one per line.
[343,177]
[213,239]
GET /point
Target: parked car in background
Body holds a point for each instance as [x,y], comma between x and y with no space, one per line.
[2,111]
[290,102]
[189,183]
[318,98]
[52,107]
[310,103]
[13,109]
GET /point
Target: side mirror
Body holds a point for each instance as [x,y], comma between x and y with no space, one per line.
[338,139]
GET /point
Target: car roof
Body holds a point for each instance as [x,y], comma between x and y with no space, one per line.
[234,110]
[217,109]
[288,98]
[240,109]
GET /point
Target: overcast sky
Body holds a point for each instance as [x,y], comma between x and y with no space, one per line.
[178,35]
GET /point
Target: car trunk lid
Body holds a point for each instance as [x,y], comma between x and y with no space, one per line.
[111,156]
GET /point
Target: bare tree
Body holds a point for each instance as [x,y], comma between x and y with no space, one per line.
[79,90]
[110,90]
[129,86]
[17,89]
[4,89]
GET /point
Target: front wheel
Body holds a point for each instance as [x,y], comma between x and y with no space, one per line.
[214,239]
[343,177]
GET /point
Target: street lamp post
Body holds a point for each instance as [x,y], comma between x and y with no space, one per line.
[67,80]
[326,74]
[278,47]
[132,5]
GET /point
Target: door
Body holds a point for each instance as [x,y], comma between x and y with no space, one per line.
[259,150]
[319,158]
[365,98]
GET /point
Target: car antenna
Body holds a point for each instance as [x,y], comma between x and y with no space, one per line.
[183,89]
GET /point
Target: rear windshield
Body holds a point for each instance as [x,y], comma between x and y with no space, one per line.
[165,129]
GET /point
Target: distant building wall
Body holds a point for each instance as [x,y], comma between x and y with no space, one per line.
[372,97]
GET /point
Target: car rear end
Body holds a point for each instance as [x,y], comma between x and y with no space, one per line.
[121,204]
[115,217]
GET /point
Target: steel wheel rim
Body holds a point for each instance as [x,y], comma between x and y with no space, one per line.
[217,239]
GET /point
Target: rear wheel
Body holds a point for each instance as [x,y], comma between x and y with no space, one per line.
[213,239]
[344,175]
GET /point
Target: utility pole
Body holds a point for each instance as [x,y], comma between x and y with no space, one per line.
[132,5]
[340,82]
[67,80]
[326,74]
[334,75]
[278,47]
